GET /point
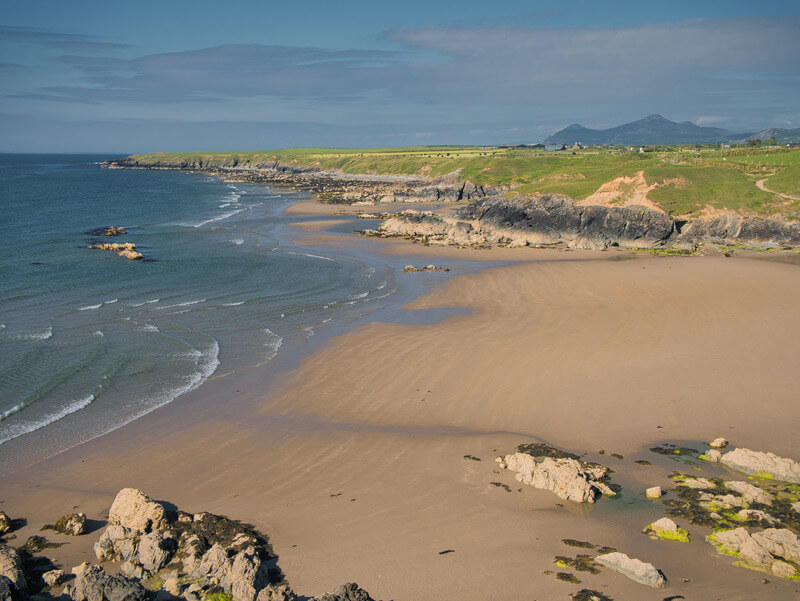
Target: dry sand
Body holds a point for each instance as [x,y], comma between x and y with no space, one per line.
[354,464]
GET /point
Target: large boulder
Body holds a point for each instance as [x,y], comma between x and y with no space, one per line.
[760,463]
[347,592]
[768,551]
[635,569]
[93,583]
[135,511]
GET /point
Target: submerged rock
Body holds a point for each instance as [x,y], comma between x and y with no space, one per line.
[760,463]
[635,569]
[569,479]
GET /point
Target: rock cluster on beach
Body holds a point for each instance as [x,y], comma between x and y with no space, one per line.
[412,269]
[150,552]
[569,478]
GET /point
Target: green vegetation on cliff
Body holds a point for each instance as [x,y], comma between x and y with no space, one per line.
[679,180]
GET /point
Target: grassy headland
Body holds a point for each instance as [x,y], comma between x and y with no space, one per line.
[684,180]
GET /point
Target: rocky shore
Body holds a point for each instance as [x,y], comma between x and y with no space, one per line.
[151,550]
[498,216]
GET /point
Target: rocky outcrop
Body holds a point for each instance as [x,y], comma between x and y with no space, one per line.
[635,569]
[570,479]
[774,550]
[11,569]
[93,583]
[112,230]
[760,463]
[412,269]
[189,556]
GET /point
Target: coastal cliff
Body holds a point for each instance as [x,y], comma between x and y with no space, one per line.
[495,215]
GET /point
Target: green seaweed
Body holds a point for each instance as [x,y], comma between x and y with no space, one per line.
[586,594]
[567,577]
[571,542]
[669,449]
[580,563]
[642,462]
[543,450]
[472,457]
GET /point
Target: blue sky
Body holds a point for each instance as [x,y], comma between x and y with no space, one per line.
[147,76]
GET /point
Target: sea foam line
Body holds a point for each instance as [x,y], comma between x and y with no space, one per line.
[25,428]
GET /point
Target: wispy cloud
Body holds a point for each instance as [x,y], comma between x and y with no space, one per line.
[64,41]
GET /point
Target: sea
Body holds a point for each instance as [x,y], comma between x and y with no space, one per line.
[90,341]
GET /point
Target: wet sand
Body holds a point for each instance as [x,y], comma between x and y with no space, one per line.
[354,463]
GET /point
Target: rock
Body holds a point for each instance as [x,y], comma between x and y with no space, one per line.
[756,514]
[568,478]
[53,577]
[135,511]
[667,529]
[94,584]
[7,591]
[11,567]
[73,524]
[698,483]
[347,592]
[752,494]
[247,575]
[172,586]
[796,506]
[712,456]
[760,463]
[154,551]
[276,592]
[718,443]
[783,569]
[635,569]
[6,525]
[654,492]
[760,550]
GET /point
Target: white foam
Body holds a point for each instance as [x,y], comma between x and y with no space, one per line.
[382,286]
[111,302]
[357,296]
[98,334]
[291,252]
[185,304]
[237,241]
[30,426]
[90,307]
[32,336]
[273,344]
[148,327]
[213,219]
[232,304]
[148,302]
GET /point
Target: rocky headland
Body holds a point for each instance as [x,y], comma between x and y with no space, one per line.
[496,215]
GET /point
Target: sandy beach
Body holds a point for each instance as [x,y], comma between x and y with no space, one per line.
[354,461]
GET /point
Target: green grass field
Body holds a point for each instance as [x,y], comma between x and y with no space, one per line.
[689,180]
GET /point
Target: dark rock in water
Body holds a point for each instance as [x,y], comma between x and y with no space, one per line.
[347,592]
[112,230]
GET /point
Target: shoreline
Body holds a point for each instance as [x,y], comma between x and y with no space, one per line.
[545,340]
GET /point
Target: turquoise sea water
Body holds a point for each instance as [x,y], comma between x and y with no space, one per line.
[90,341]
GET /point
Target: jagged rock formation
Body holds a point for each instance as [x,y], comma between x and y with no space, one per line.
[568,478]
[551,219]
[635,569]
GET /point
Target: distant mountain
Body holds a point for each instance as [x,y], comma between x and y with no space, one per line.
[653,129]
[782,135]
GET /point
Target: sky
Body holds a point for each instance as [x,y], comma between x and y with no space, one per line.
[90,76]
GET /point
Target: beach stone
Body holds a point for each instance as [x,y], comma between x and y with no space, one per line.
[11,567]
[654,492]
[779,541]
[347,592]
[172,586]
[718,443]
[6,525]
[134,510]
[713,456]
[697,483]
[93,583]
[73,524]
[758,462]
[757,514]
[53,577]
[752,494]
[635,569]
[796,506]
[664,524]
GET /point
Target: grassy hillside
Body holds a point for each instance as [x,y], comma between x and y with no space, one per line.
[689,180]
